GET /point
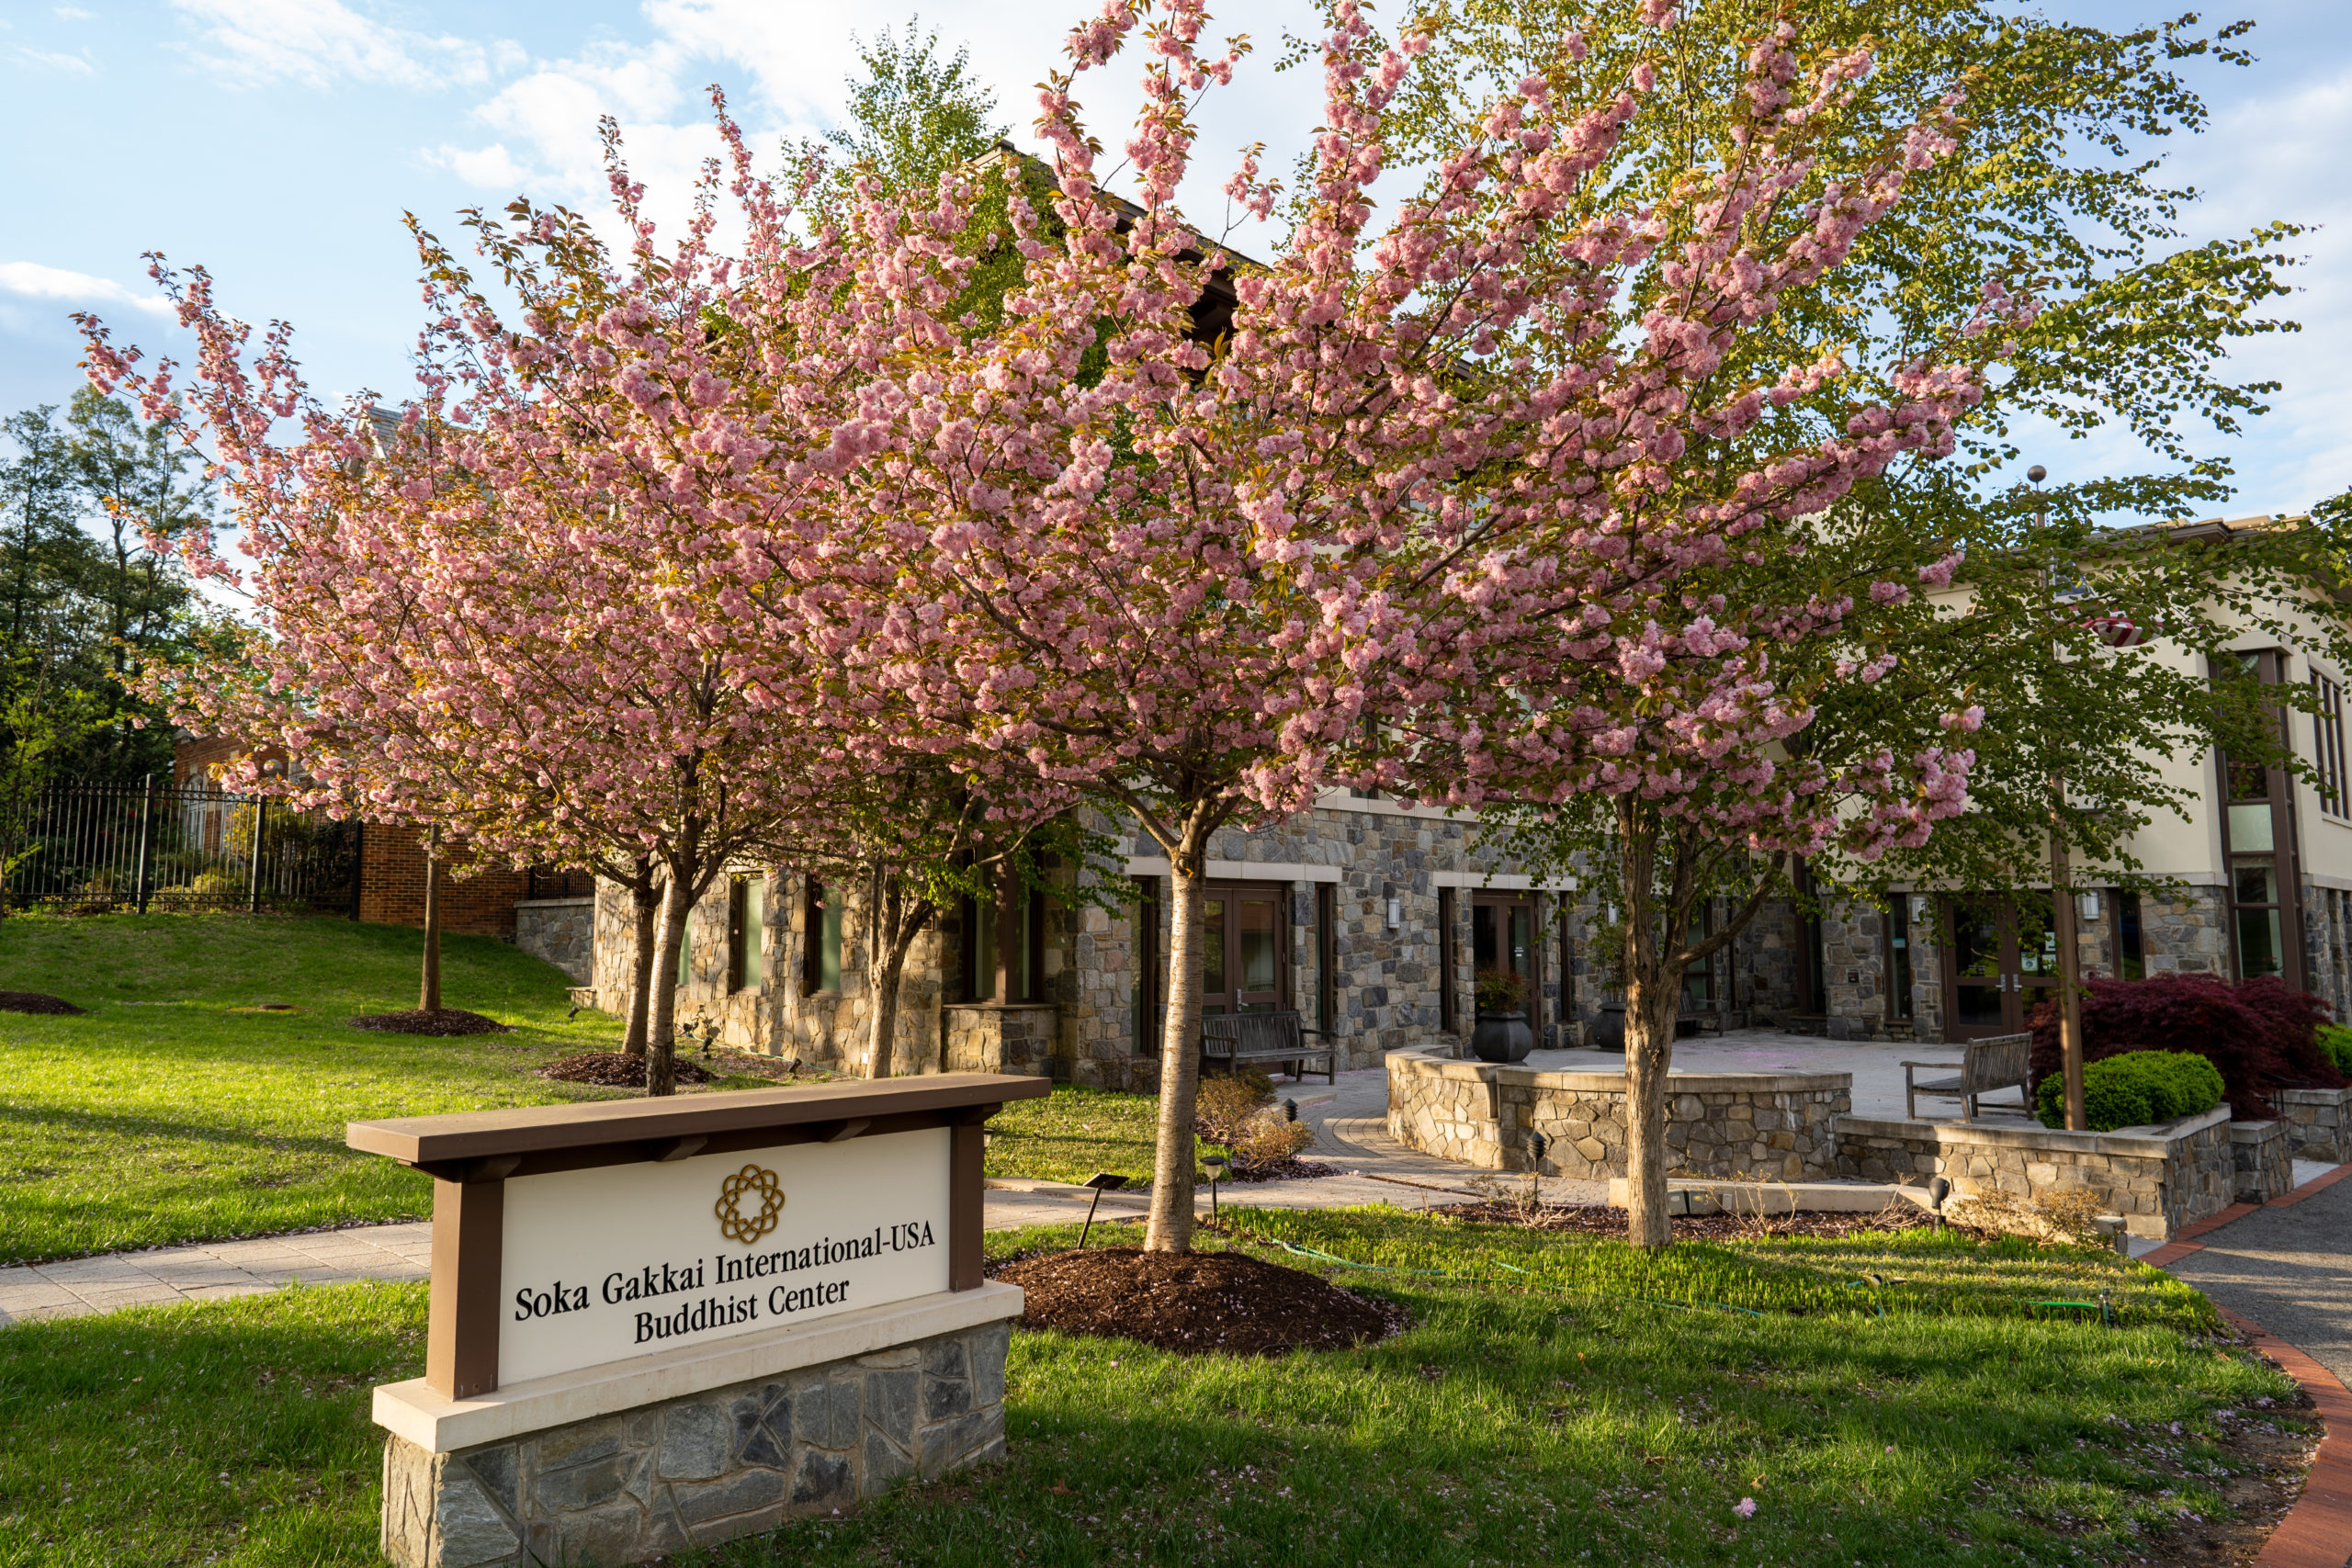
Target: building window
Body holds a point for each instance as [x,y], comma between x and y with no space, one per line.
[1327,958]
[2130,952]
[1144,923]
[2257,836]
[1004,953]
[2328,746]
[1448,1005]
[821,959]
[747,932]
[1898,953]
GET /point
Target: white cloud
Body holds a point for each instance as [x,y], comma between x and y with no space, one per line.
[317,42]
[72,64]
[74,14]
[31,280]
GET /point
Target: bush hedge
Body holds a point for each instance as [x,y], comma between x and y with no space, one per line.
[2259,1033]
[2133,1089]
[2335,1043]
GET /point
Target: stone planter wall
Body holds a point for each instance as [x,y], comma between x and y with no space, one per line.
[1001,1037]
[2320,1120]
[2158,1179]
[2261,1152]
[691,1473]
[1761,1126]
[562,932]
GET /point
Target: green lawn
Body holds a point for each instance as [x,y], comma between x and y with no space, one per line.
[1072,1134]
[1574,1423]
[166,1116]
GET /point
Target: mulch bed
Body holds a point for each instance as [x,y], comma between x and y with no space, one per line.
[1197,1302]
[1291,1169]
[437,1020]
[618,1070]
[1598,1218]
[36,1001]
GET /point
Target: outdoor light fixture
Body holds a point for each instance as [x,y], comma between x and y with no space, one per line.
[1101,1181]
[1395,904]
[1290,1111]
[792,1068]
[1937,1190]
[2090,905]
[1215,1165]
[1536,1144]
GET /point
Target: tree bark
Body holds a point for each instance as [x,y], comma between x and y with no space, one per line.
[661,1056]
[1653,1001]
[429,993]
[899,921]
[2070,967]
[1179,1057]
[646,902]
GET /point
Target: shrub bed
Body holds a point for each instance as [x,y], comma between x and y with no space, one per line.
[2259,1034]
[2133,1089]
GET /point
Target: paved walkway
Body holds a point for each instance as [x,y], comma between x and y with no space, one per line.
[2288,1266]
[85,1285]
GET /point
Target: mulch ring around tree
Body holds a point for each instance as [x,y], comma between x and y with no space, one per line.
[618,1070]
[437,1020]
[37,1001]
[1197,1302]
[1599,1219]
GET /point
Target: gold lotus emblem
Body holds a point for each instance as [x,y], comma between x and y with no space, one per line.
[736,1221]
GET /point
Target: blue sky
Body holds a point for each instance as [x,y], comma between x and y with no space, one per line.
[279,141]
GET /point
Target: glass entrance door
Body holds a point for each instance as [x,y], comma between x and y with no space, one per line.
[1242,967]
[1502,936]
[2001,961]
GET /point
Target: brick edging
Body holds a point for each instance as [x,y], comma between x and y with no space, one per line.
[2317,1531]
[2310,1189]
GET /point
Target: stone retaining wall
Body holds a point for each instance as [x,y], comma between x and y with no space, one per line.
[1764,1125]
[2262,1156]
[2321,1120]
[562,932]
[2158,1179]
[691,1473]
[1001,1037]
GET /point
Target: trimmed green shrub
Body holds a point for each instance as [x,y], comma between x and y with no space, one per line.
[2336,1042]
[2133,1089]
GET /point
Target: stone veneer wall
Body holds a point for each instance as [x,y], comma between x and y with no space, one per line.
[1761,1126]
[694,1472]
[2320,1120]
[2157,1178]
[561,930]
[994,1037]
[2262,1155]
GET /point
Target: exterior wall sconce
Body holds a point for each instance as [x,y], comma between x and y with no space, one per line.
[2090,905]
[1395,904]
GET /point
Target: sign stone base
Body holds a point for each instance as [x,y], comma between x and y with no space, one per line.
[703,1468]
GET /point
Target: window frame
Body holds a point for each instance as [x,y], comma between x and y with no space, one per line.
[2327,746]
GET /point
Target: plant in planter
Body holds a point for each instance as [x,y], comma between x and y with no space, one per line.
[1501,1034]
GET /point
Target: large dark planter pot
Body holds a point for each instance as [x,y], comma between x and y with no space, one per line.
[1503,1037]
[1609,1030]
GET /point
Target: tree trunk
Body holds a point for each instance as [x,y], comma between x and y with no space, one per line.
[646,902]
[1653,1001]
[1180,1055]
[894,937]
[661,1057]
[429,994]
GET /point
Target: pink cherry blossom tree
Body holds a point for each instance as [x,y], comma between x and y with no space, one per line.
[1198,536]
[519,614]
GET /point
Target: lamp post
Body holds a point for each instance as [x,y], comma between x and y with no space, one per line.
[2062,923]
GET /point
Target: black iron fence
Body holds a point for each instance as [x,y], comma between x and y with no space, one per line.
[98,844]
[545,883]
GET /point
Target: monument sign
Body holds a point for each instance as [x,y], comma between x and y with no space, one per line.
[661,1323]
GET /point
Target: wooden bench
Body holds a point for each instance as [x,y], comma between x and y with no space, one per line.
[1264,1038]
[1997,1061]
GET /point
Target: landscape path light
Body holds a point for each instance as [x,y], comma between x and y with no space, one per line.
[1216,1167]
[1101,1181]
